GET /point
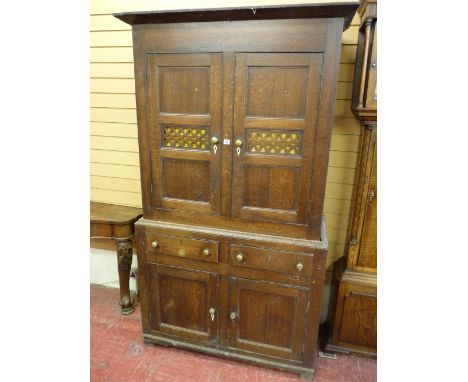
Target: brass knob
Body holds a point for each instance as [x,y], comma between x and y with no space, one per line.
[299,266]
[155,244]
[240,257]
[233,315]
[206,252]
[238,143]
[214,140]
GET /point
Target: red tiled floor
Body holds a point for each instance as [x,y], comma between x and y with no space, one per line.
[118,354]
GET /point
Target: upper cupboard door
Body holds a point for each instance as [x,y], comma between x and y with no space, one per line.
[184,103]
[276,107]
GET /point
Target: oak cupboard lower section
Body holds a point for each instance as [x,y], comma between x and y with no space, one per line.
[248,297]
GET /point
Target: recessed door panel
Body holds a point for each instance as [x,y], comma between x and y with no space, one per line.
[183,302]
[264,318]
[267,318]
[275,116]
[271,187]
[185,179]
[184,97]
[276,91]
[184,90]
[359,319]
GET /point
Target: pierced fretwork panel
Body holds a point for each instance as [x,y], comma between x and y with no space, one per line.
[274,142]
[190,138]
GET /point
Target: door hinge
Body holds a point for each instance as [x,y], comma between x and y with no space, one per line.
[151,188]
[371,195]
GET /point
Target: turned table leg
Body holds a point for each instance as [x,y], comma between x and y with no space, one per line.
[124,257]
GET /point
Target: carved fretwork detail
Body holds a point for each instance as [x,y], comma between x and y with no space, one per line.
[124,254]
[189,138]
[274,142]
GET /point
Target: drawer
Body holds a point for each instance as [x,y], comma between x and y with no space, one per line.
[271,260]
[188,248]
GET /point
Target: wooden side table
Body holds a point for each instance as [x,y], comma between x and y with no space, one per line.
[109,221]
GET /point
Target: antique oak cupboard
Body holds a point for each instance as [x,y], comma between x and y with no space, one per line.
[354,311]
[235,109]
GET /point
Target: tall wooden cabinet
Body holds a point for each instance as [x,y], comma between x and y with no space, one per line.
[354,316]
[235,109]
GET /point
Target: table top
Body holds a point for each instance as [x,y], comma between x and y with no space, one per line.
[113,214]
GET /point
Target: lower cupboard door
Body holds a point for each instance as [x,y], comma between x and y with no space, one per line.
[267,318]
[184,303]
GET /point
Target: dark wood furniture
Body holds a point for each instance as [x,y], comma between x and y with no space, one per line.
[235,109]
[110,221]
[354,320]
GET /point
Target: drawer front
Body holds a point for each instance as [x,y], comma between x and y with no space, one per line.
[194,249]
[271,260]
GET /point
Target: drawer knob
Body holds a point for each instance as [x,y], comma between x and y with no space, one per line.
[299,266]
[233,316]
[155,244]
[240,257]
[206,252]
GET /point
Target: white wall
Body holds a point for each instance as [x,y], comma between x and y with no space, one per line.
[104,268]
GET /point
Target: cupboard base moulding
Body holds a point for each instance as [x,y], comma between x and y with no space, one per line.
[306,374]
